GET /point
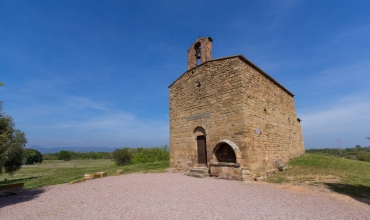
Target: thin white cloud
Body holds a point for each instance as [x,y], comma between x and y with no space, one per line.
[347,119]
[109,128]
[80,103]
[348,73]
[341,118]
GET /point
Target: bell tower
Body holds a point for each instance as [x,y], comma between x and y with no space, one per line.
[199,52]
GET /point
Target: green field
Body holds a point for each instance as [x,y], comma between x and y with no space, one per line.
[346,176]
[51,172]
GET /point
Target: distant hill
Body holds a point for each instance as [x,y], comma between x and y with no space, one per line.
[44,150]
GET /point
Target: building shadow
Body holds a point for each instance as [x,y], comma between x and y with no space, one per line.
[26,195]
[360,192]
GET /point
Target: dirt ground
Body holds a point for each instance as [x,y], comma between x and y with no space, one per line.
[176,196]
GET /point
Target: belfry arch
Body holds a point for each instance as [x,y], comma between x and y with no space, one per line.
[200,52]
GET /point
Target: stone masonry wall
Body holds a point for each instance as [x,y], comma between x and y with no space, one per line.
[213,88]
[273,133]
[231,99]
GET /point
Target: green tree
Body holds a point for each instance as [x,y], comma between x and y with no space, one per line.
[12,143]
[122,156]
[363,156]
[358,147]
[32,156]
[64,155]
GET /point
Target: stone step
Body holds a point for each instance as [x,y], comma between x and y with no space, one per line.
[201,166]
[199,170]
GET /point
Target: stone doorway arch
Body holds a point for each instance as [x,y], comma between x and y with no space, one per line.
[226,151]
[199,131]
[201,144]
[226,160]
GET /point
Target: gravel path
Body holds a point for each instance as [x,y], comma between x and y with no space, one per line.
[174,196]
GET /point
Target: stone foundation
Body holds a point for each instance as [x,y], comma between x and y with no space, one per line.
[225,170]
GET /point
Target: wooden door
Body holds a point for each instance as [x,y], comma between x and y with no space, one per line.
[202,152]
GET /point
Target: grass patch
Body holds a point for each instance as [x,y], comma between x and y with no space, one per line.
[346,176]
[52,172]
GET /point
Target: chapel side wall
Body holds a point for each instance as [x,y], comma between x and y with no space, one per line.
[271,109]
[218,94]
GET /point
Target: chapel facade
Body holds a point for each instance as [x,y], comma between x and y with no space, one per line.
[230,117]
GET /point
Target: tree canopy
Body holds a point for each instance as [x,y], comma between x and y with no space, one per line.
[64,155]
[31,156]
[12,143]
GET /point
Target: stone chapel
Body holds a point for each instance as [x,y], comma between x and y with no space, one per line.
[230,118]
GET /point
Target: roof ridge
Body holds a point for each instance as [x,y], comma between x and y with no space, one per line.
[245,60]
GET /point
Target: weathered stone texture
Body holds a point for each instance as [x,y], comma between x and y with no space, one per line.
[206,51]
[232,101]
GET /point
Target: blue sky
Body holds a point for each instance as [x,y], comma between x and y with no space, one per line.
[96,73]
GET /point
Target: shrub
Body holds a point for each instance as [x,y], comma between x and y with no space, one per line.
[32,156]
[80,155]
[122,156]
[363,156]
[50,156]
[150,155]
[64,155]
[14,159]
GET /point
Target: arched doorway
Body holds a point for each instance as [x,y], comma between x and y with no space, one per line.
[202,151]
[200,134]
